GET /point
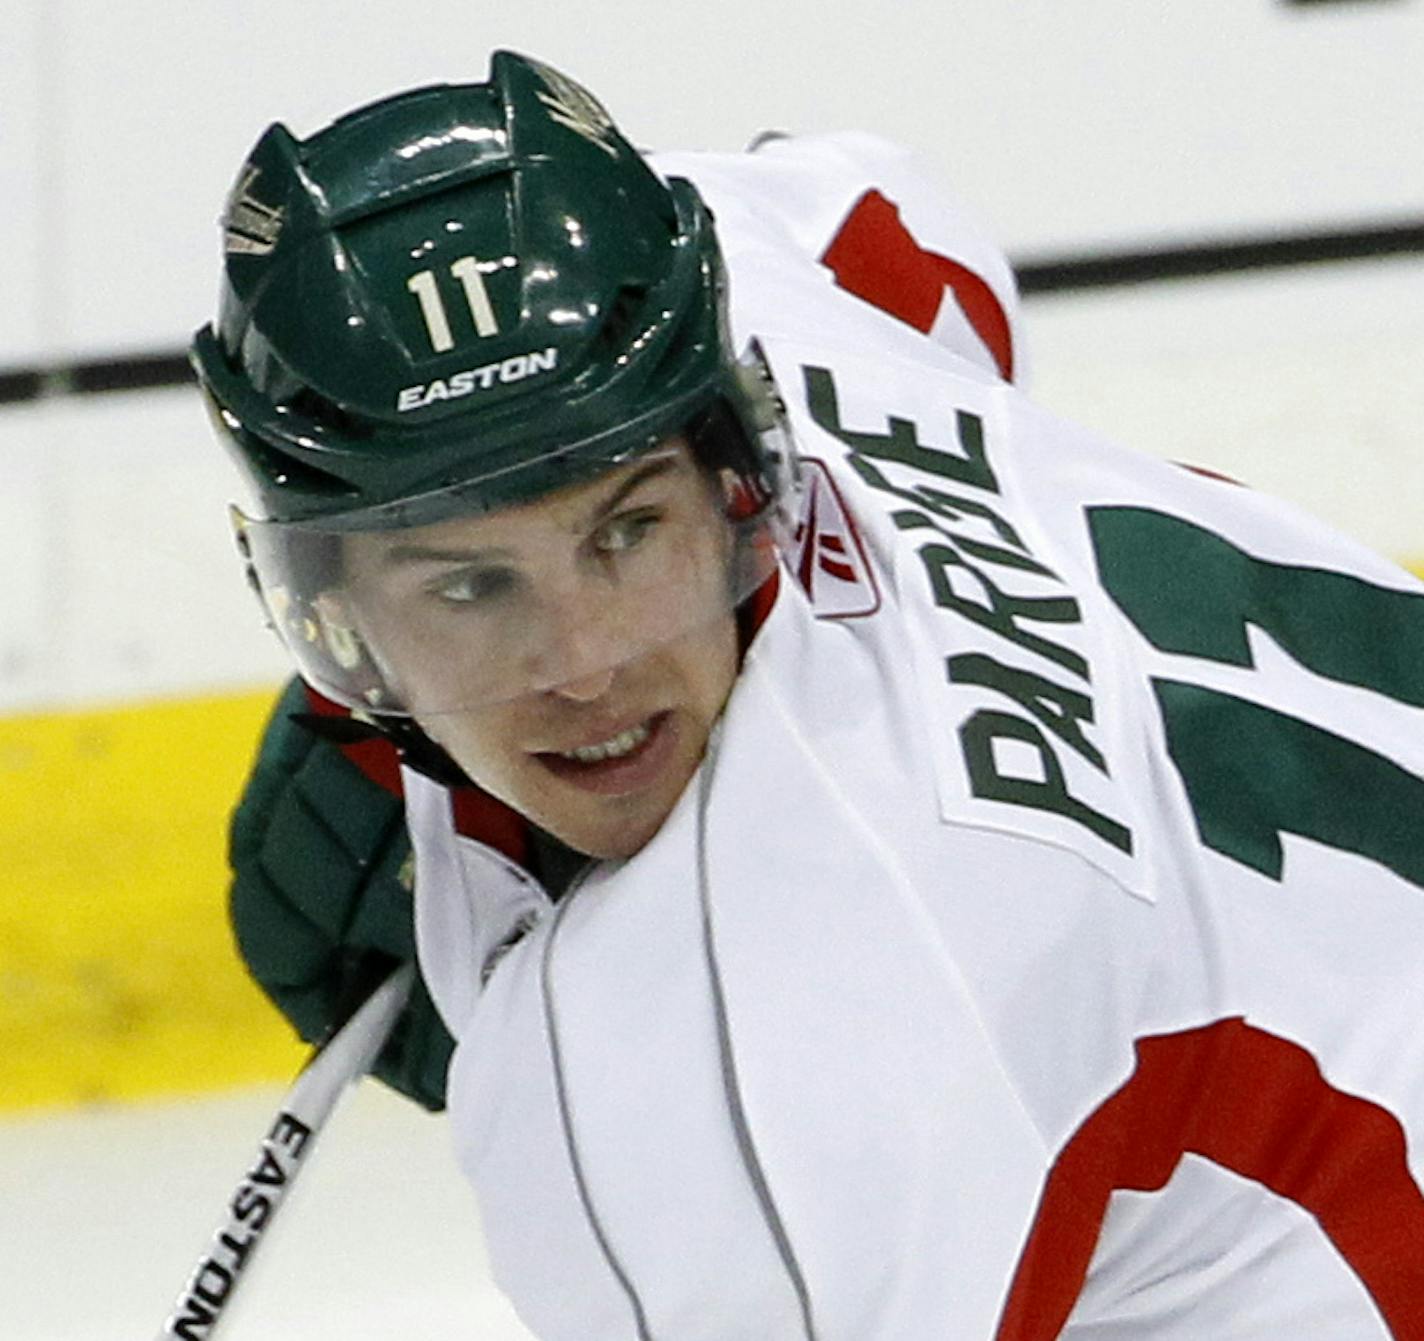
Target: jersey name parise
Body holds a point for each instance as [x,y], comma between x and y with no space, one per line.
[1036,951]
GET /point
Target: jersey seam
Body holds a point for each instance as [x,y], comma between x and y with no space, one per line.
[600,1234]
[741,1126]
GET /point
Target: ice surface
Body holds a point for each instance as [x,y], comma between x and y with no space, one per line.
[104,1214]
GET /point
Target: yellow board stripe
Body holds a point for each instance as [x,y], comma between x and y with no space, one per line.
[118,978]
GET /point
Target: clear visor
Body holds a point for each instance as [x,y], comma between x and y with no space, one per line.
[480,608]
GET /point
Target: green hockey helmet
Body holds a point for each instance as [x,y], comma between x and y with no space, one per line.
[451,302]
[481,285]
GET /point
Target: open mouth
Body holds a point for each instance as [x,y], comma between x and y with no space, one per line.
[623,762]
[619,747]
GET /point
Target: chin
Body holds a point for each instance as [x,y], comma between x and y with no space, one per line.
[613,840]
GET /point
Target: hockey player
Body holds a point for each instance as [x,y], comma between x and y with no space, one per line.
[999,919]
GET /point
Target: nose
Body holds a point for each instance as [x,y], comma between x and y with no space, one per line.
[578,647]
[585,689]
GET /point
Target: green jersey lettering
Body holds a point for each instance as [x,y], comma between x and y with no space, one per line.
[1314,784]
[1341,627]
[902,443]
[999,611]
[1253,772]
[1061,710]
[991,780]
[948,507]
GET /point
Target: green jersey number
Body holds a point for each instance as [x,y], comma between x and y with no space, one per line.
[1253,772]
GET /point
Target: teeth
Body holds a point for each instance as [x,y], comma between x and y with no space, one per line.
[625,742]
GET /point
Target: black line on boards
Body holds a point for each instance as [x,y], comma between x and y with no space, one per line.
[1037,276]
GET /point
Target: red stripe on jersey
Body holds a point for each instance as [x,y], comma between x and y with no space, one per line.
[1252,1103]
[376,758]
[752,612]
[476,813]
[874,256]
[479,816]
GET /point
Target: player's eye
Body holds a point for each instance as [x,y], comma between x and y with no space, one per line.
[626,531]
[472,586]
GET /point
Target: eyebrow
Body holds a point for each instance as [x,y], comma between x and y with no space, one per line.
[660,465]
[405,554]
[397,555]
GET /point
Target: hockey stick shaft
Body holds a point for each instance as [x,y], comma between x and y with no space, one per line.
[344,1058]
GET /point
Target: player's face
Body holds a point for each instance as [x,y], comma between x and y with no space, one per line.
[591,628]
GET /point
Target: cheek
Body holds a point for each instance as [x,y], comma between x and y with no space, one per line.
[481,743]
[711,663]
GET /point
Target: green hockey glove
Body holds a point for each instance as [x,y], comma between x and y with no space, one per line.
[321,895]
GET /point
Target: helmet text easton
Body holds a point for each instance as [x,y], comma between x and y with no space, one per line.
[513,369]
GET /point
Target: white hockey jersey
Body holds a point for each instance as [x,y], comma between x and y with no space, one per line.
[1038,950]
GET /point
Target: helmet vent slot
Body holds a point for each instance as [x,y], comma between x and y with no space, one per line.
[286,473]
[618,327]
[327,414]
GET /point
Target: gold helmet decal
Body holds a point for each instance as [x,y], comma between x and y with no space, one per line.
[249,226]
[572,105]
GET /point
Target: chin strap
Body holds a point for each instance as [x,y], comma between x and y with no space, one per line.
[415,749]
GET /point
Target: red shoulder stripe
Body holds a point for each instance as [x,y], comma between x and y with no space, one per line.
[874,256]
[1255,1104]
[477,814]
[376,758]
